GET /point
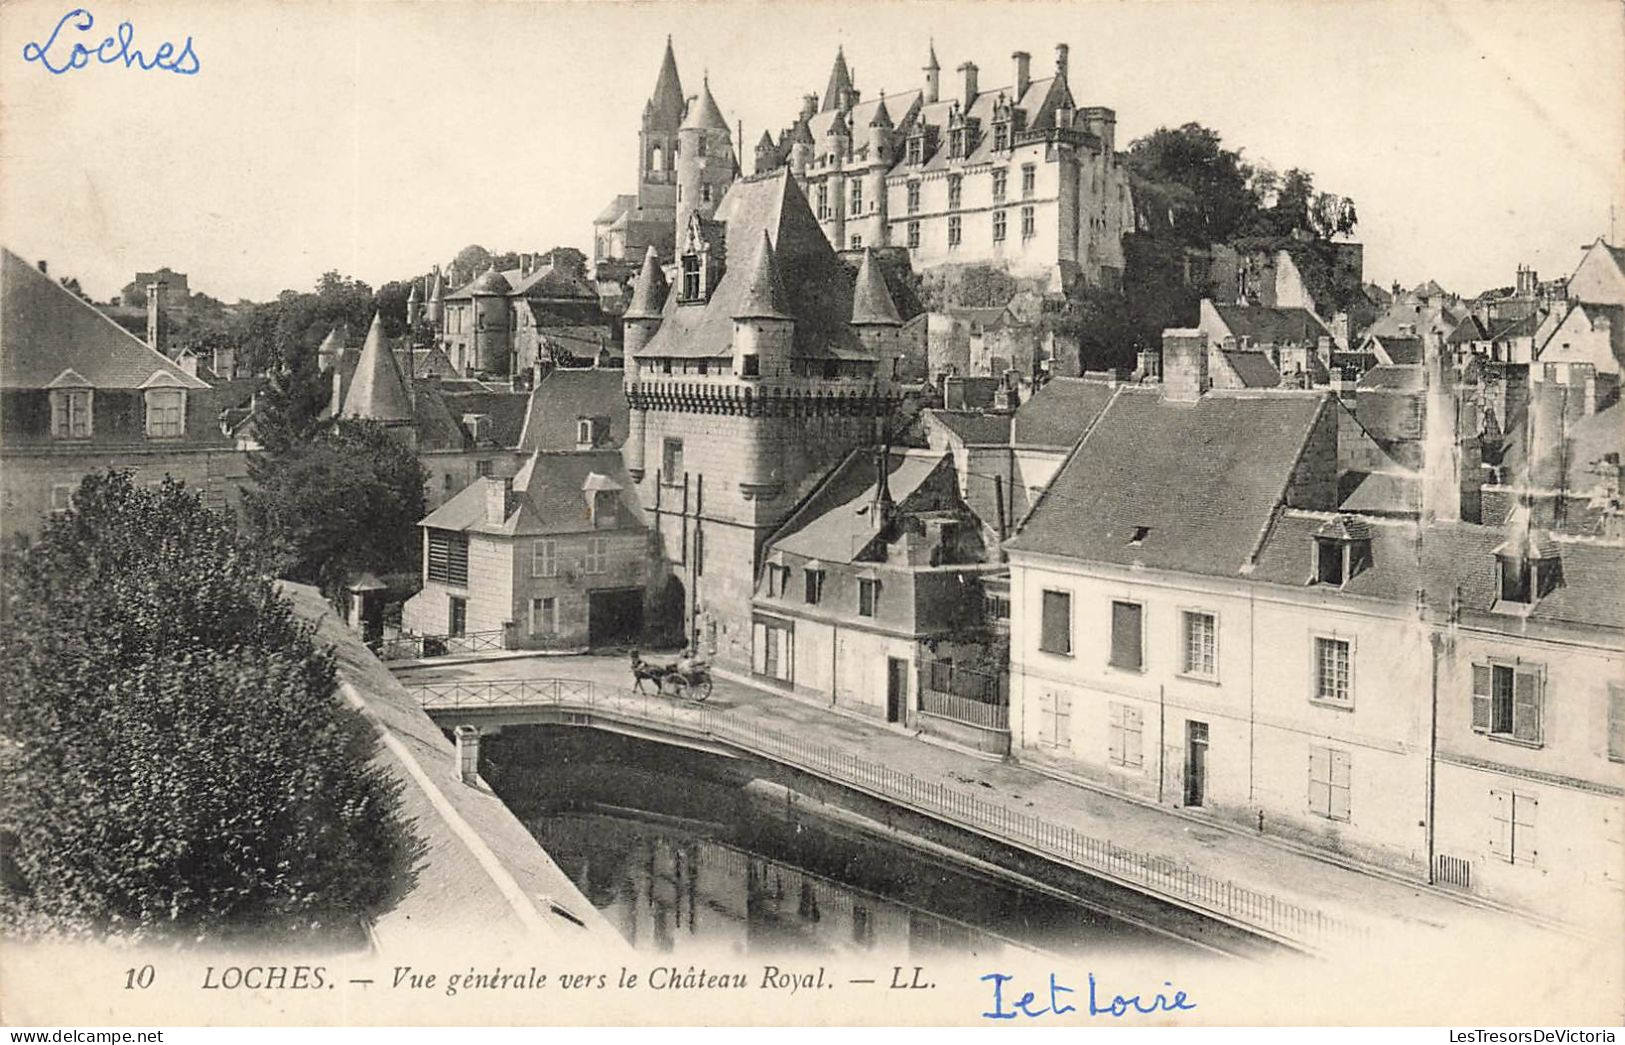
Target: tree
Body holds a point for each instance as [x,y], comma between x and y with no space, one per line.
[568,260]
[343,502]
[177,762]
[472,260]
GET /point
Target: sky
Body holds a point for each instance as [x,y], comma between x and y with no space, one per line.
[378,138]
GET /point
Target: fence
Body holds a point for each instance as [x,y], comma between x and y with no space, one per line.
[987,687]
[1158,876]
[416,647]
[974,712]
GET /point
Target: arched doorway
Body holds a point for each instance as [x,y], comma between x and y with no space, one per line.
[667,622]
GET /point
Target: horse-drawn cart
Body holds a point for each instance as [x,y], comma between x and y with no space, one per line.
[685,679]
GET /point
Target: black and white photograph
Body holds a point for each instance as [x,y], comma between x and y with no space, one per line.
[527,514]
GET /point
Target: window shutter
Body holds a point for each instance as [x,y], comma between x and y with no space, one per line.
[1526,706]
[1501,824]
[1339,792]
[1523,828]
[1616,722]
[1133,729]
[1481,697]
[59,414]
[760,647]
[1126,635]
[1115,734]
[1319,773]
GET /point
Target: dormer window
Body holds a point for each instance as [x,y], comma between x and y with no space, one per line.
[166,412]
[691,277]
[603,508]
[1001,136]
[70,413]
[1515,575]
[1342,548]
[916,148]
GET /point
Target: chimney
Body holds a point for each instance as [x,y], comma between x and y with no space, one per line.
[1061,52]
[44,267]
[1148,366]
[155,308]
[968,70]
[498,493]
[1024,73]
[1184,365]
[465,759]
[1451,456]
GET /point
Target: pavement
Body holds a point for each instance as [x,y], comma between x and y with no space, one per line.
[1355,894]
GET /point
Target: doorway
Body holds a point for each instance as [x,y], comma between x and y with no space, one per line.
[614,616]
[1195,763]
[458,617]
[896,689]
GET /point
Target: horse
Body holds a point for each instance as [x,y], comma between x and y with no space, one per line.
[642,672]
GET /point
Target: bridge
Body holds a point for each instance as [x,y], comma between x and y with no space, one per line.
[582,702]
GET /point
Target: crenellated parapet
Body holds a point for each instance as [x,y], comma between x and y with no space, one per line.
[698,397]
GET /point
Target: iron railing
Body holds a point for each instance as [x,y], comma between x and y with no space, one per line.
[971,712]
[1155,875]
[417,647]
[988,687]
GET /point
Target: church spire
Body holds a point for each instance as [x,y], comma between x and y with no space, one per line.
[665,108]
[378,389]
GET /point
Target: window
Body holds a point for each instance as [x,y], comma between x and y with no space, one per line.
[774,650]
[1512,819]
[913,197]
[597,560]
[914,235]
[61,497]
[1328,561]
[815,586]
[916,149]
[1329,782]
[544,559]
[671,461]
[1616,722]
[448,557]
[691,277]
[1000,178]
[705,193]
[956,185]
[954,234]
[1029,180]
[70,413]
[447,483]
[778,579]
[857,197]
[700,147]
[544,616]
[750,365]
[1126,735]
[1029,226]
[998,226]
[1055,631]
[857,241]
[1515,576]
[482,469]
[997,607]
[823,201]
[1200,655]
[1507,701]
[868,596]
[1332,671]
[166,412]
[1001,137]
[584,435]
[1127,646]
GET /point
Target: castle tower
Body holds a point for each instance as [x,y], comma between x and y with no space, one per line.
[933,77]
[657,137]
[837,147]
[766,155]
[839,95]
[801,147]
[378,391]
[437,300]
[763,331]
[871,220]
[414,306]
[875,319]
[706,165]
[642,322]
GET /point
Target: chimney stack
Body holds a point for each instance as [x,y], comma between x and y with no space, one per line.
[498,492]
[968,70]
[465,759]
[1061,52]
[155,309]
[1148,366]
[1184,365]
[44,267]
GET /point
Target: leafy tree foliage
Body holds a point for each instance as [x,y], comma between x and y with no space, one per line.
[176,762]
[345,501]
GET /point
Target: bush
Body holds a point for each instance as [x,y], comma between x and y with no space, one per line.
[177,762]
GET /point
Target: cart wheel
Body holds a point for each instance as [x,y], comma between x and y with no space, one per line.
[680,687]
[704,689]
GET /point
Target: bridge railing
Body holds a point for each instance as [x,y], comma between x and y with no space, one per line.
[1157,875]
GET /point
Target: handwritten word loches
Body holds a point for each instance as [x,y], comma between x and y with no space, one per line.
[109,51]
[1032,1006]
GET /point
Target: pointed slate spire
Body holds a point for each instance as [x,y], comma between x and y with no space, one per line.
[764,296]
[665,108]
[931,65]
[840,83]
[872,303]
[705,113]
[881,118]
[439,291]
[764,142]
[412,298]
[378,389]
[649,292]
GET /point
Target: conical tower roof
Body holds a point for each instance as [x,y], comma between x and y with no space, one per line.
[438,293]
[838,127]
[840,82]
[665,108]
[765,141]
[649,292]
[413,298]
[704,113]
[332,345]
[378,389]
[871,300]
[931,63]
[764,296]
[882,117]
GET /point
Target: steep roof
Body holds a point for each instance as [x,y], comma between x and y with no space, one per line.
[567,394]
[46,329]
[649,292]
[840,79]
[1202,479]
[1467,331]
[548,283]
[665,108]
[549,497]
[871,301]
[1059,413]
[1272,326]
[838,522]
[817,287]
[974,428]
[704,113]
[763,296]
[1404,351]
[378,390]
[1252,369]
[1392,377]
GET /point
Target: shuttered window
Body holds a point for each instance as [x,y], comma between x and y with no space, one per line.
[448,557]
[1329,783]
[1616,722]
[1055,635]
[1127,649]
[1507,701]
[1512,826]
[1126,735]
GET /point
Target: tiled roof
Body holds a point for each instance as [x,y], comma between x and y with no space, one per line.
[1461,558]
[1392,377]
[1253,369]
[615,210]
[704,113]
[763,296]
[839,80]
[1272,326]
[837,523]
[817,289]
[46,329]
[1201,478]
[1040,101]
[974,428]
[1059,413]
[1523,326]
[969,393]
[548,283]
[1383,493]
[378,390]
[567,394]
[1468,330]
[871,301]
[1402,350]
[649,292]
[665,107]
[549,497]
